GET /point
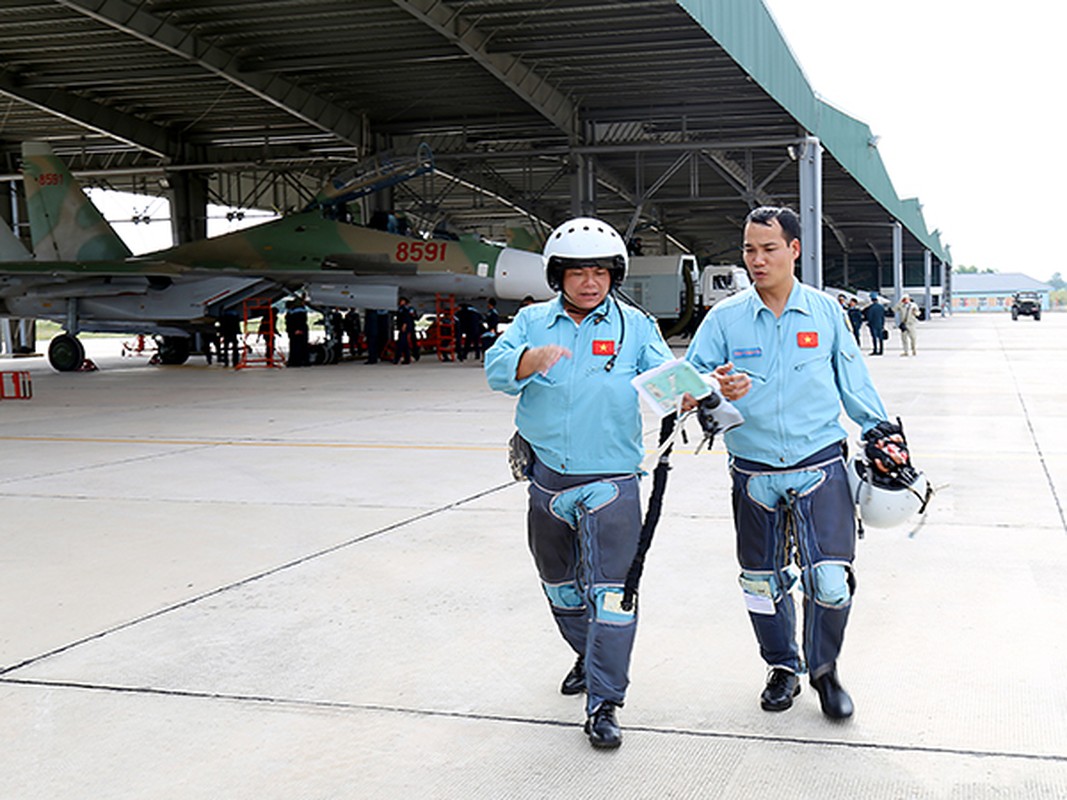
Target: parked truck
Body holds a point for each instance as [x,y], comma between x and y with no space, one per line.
[664,286]
[719,281]
[674,288]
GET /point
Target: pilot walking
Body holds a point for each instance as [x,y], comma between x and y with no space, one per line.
[784,356]
[570,361]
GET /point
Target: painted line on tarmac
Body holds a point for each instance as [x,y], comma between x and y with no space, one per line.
[1035,440]
[280,443]
[337,705]
[251,443]
[256,577]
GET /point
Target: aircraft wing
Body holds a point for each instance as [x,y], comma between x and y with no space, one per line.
[366,264]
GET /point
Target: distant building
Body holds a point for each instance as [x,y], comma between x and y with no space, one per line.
[992,291]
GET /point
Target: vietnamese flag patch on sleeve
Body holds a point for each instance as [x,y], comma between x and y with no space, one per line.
[808,339]
[603,347]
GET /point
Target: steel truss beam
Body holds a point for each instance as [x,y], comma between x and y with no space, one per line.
[135,21]
[510,70]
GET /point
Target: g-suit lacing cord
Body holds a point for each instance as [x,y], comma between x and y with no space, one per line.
[652,513]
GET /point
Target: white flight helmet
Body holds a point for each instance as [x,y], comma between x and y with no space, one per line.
[886,503]
[584,239]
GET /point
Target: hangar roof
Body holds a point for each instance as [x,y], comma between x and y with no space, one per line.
[690,109]
[998,282]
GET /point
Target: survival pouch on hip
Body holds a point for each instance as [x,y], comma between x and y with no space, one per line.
[520,457]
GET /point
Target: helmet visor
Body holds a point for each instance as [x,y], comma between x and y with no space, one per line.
[607,262]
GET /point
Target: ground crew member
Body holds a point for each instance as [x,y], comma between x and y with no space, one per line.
[570,361]
[875,314]
[784,356]
[492,324]
[855,319]
[353,329]
[908,322]
[229,332]
[296,328]
[266,331]
[405,326]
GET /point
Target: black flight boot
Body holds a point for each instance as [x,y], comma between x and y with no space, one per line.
[782,687]
[835,702]
[602,729]
[574,683]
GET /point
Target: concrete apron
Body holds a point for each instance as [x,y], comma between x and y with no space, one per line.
[314,583]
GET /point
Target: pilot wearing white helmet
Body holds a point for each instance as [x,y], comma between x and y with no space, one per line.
[570,361]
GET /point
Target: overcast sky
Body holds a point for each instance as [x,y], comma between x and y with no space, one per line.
[967,99]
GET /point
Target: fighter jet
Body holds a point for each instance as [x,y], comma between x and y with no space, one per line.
[85,277]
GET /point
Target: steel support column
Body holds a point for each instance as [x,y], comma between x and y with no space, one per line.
[811,212]
[188,206]
[928,269]
[946,292]
[898,261]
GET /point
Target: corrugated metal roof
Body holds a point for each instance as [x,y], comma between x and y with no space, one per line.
[995,282]
[747,31]
[268,98]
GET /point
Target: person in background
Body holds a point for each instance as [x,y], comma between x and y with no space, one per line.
[405,327]
[353,329]
[296,328]
[855,319]
[229,333]
[267,331]
[492,324]
[875,315]
[908,322]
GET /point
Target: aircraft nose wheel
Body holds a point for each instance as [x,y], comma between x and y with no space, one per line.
[65,353]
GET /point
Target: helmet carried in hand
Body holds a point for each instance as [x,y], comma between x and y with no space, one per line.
[887,501]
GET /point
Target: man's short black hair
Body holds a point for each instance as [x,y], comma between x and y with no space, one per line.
[786,217]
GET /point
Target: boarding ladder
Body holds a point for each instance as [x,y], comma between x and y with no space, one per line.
[253,309]
[445,307]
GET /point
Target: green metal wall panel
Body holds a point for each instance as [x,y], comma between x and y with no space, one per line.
[747,31]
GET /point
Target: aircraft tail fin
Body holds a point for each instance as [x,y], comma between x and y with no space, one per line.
[64,223]
[11,249]
[524,239]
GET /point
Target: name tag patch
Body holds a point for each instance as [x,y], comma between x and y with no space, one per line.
[603,347]
[748,352]
[808,339]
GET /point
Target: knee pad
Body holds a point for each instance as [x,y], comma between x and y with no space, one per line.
[609,606]
[833,584]
[564,596]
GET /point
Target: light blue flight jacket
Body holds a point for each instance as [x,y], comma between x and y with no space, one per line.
[580,418]
[804,366]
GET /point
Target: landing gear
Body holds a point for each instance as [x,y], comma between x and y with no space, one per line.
[173,350]
[323,353]
[65,353]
